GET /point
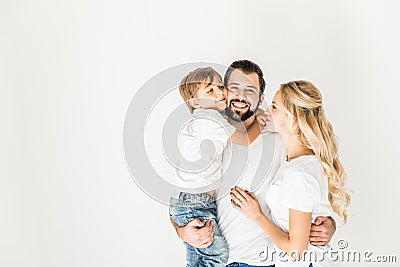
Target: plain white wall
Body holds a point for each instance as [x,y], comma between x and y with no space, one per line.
[69,69]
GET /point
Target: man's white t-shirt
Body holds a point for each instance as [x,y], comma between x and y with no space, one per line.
[300,185]
[251,168]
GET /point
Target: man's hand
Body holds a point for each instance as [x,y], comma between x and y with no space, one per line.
[196,233]
[322,231]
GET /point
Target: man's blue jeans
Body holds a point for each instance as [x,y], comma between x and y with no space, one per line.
[185,209]
[239,264]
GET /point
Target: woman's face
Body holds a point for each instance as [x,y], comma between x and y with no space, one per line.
[278,113]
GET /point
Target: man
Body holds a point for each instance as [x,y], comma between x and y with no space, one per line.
[250,162]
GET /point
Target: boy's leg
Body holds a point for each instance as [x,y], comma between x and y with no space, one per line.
[192,256]
[203,207]
[182,215]
[217,253]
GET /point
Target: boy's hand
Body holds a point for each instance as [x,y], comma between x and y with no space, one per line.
[263,117]
[322,231]
[220,106]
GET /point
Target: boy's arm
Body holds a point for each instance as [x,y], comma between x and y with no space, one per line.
[322,231]
[264,118]
[195,233]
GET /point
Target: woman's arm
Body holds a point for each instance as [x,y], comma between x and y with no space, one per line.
[294,242]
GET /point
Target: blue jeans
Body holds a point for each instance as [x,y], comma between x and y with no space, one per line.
[239,264]
[189,207]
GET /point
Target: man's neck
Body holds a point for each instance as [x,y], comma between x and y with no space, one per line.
[249,122]
[248,137]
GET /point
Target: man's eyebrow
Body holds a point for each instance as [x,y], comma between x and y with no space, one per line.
[248,86]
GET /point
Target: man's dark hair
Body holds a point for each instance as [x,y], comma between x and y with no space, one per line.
[247,67]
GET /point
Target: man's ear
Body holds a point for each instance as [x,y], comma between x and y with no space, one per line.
[261,99]
[194,103]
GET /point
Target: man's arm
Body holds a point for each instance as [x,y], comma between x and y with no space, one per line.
[195,233]
[322,231]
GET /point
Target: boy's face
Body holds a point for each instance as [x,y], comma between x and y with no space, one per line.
[211,96]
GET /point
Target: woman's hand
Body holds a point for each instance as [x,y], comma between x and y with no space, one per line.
[246,202]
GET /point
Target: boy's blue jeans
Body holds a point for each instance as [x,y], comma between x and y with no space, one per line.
[190,206]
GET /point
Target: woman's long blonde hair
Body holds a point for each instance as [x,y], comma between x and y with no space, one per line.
[303,104]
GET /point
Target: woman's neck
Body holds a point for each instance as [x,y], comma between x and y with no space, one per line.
[294,148]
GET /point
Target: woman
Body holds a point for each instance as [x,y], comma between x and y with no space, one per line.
[310,182]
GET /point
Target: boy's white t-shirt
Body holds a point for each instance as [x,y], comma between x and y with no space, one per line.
[300,185]
[201,143]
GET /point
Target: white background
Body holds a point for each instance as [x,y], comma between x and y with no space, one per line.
[69,69]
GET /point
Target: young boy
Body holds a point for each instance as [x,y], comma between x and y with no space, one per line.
[201,143]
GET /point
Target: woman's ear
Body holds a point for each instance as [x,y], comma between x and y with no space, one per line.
[194,103]
[296,127]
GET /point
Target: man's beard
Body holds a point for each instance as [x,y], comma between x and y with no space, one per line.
[237,115]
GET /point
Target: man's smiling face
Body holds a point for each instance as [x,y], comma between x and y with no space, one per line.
[243,94]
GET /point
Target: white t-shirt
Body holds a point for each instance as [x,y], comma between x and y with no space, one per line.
[300,185]
[201,143]
[252,168]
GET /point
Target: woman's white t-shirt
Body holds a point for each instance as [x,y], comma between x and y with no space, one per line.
[300,185]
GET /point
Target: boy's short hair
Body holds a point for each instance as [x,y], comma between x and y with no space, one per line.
[191,83]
